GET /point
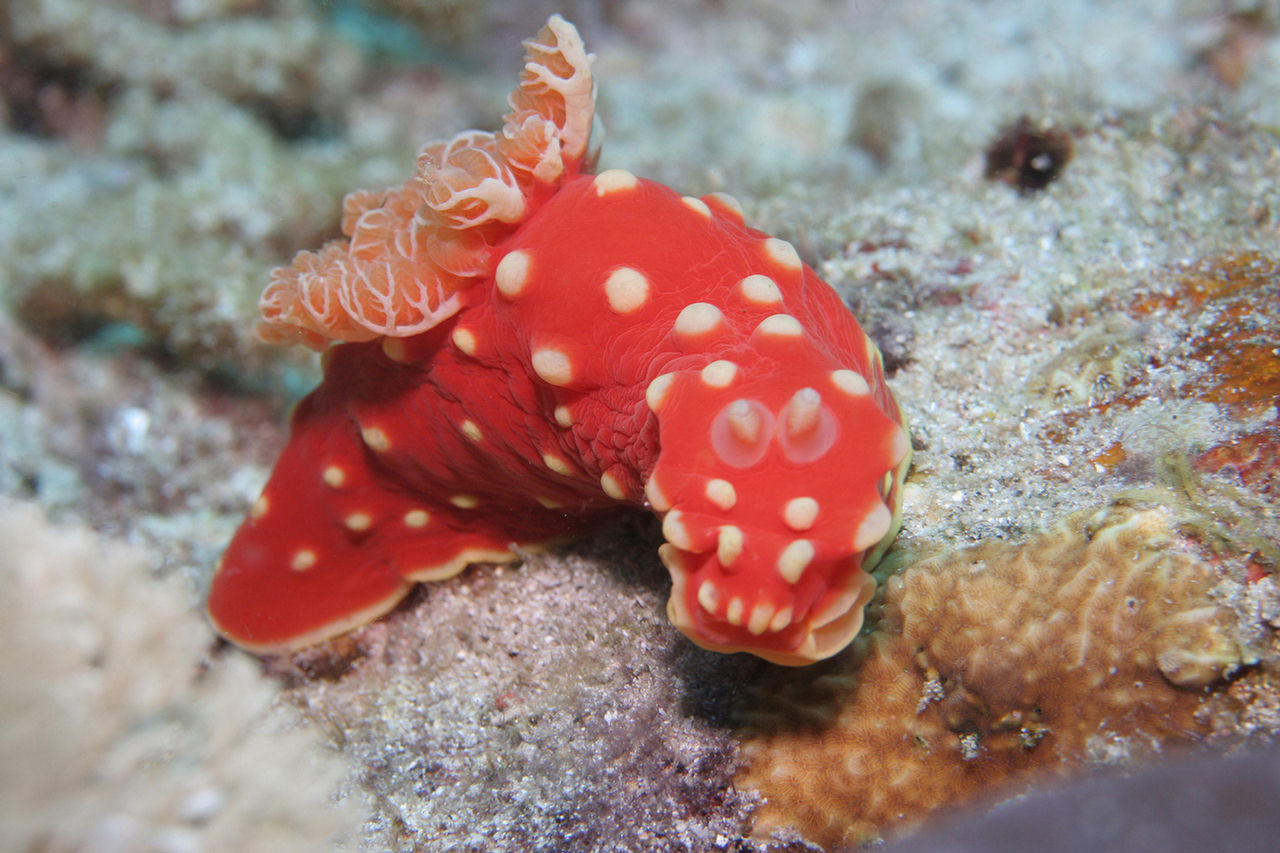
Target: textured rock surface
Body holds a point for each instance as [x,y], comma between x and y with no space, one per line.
[561,714]
[1092,641]
[1183,806]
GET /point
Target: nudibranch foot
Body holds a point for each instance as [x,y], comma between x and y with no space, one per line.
[361,505]
[273,592]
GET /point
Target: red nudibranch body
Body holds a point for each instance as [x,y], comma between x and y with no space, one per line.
[527,349]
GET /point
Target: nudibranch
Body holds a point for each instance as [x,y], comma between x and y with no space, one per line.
[516,348]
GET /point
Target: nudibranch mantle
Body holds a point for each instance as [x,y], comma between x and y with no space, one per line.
[566,346]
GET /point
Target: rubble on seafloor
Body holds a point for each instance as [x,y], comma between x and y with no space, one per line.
[1090,372]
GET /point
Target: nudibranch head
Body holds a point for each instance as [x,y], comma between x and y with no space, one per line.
[772,522]
[779,451]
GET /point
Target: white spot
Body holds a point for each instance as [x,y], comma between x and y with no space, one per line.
[612,487]
[417,518]
[760,617]
[800,513]
[613,181]
[358,521]
[760,290]
[851,382]
[627,290]
[782,325]
[376,439]
[782,253]
[556,463]
[794,559]
[719,373]
[512,274]
[303,560]
[260,507]
[721,493]
[673,558]
[735,611]
[563,416]
[729,544]
[465,501]
[781,619]
[465,340]
[900,446]
[549,503]
[553,366]
[697,205]
[728,202]
[873,352]
[698,318]
[675,532]
[708,596]
[393,348]
[334,476]
[653,493]
[873,528]
[659,389]
[471,430]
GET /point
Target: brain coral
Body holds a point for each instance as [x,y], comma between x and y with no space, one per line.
[1095,640]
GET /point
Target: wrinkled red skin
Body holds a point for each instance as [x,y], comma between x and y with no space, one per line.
[460,425]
